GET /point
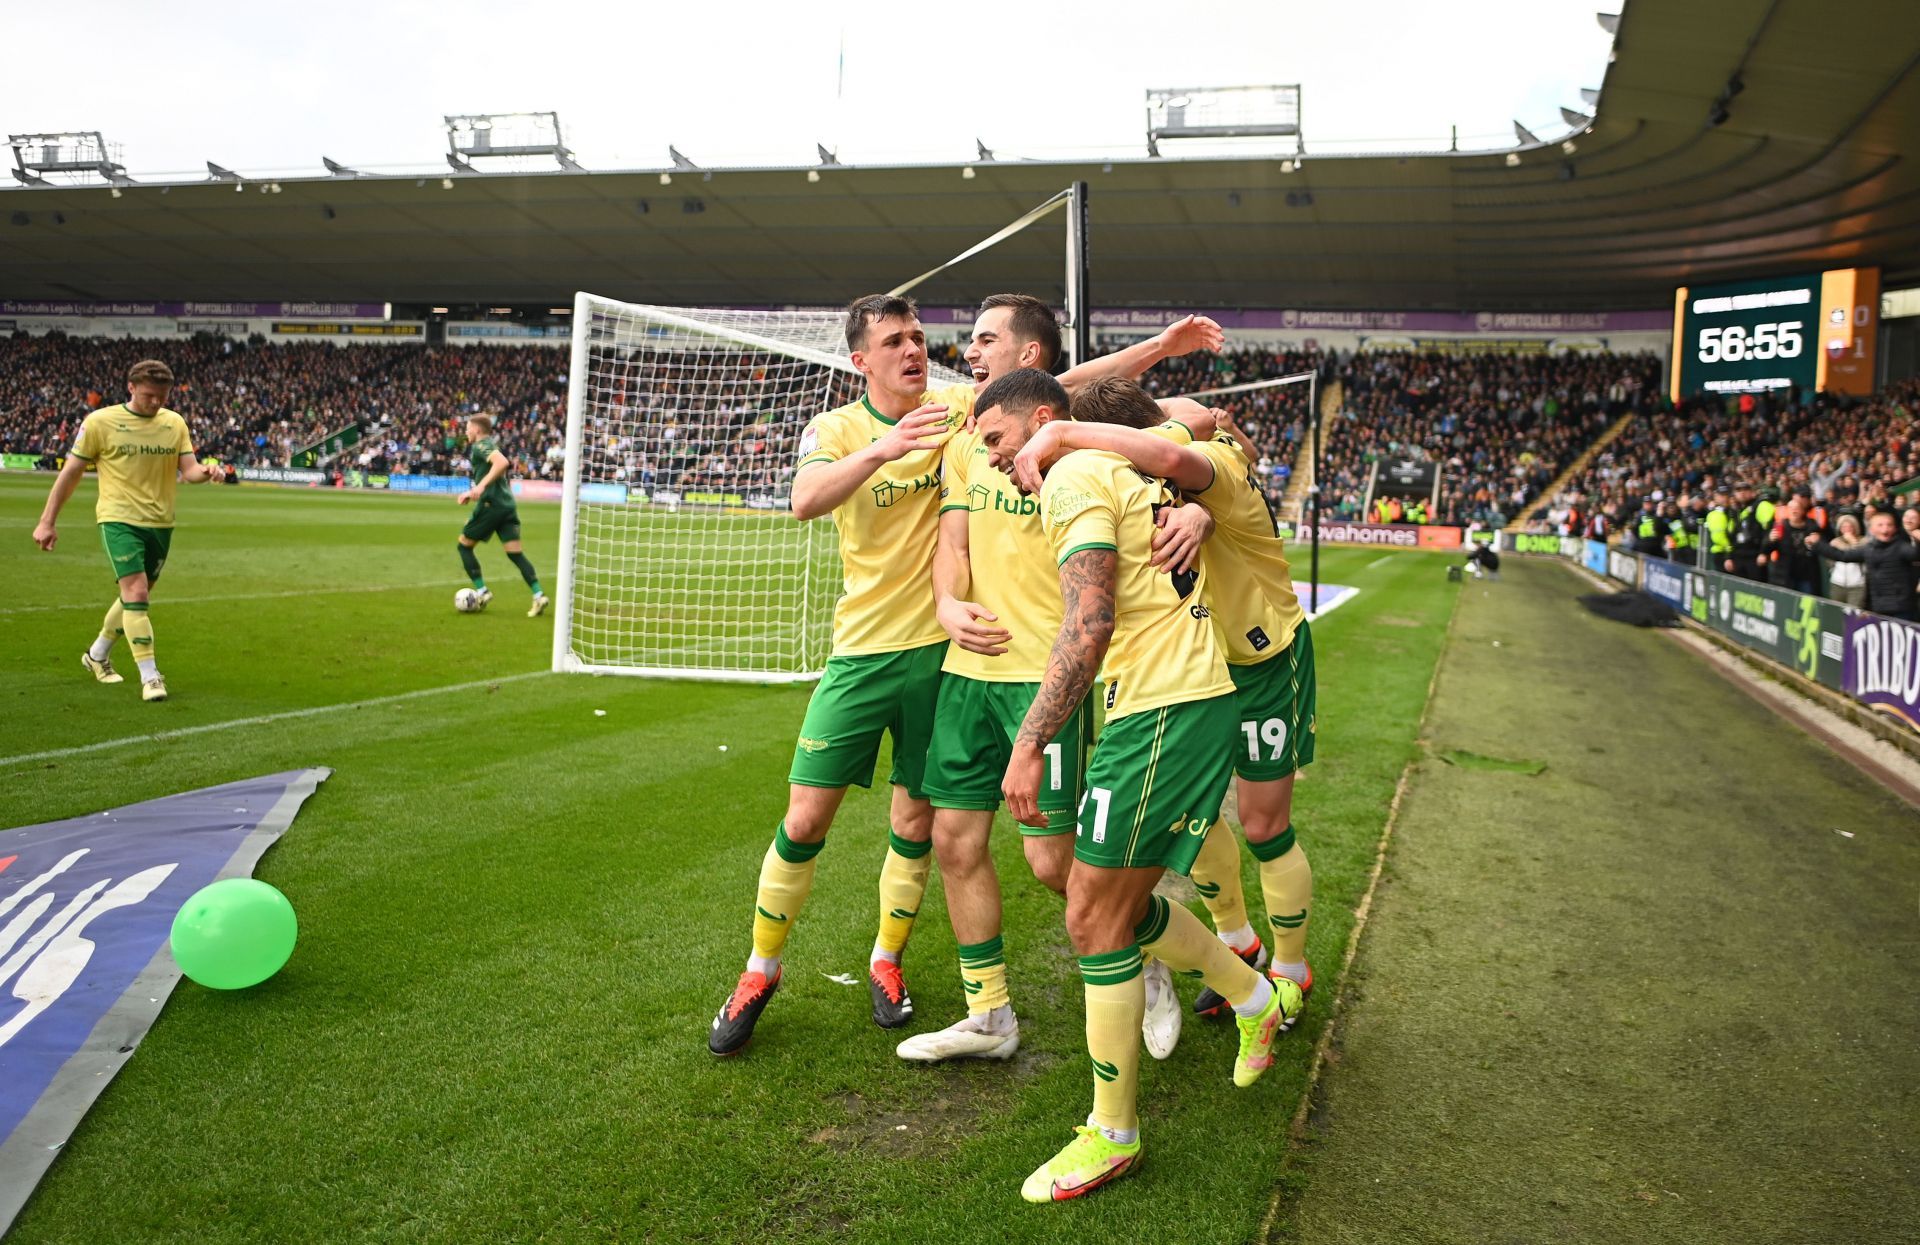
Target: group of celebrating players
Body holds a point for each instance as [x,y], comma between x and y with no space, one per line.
[1008,545]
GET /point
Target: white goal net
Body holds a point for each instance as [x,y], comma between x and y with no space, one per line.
[679,556]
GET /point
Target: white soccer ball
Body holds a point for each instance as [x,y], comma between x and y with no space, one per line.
[467,601]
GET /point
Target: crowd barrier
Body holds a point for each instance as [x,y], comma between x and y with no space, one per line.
[1871,658]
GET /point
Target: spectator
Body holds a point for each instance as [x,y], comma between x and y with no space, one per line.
[1847,579]
[1890,564]
[1791,561]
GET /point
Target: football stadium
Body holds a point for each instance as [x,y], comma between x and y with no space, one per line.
[759,656]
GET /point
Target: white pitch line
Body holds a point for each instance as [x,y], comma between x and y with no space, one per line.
[262,719]
[1380,561]
[169,602]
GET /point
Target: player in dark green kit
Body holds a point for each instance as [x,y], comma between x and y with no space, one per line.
[493,513]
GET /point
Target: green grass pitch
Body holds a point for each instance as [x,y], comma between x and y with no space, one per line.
[518,917]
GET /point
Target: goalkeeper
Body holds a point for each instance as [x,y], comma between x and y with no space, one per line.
[494,513]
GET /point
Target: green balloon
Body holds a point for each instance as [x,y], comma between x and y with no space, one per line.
[233,934]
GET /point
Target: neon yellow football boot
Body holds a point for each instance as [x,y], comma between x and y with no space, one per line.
[1257,1033]
[1090,1160]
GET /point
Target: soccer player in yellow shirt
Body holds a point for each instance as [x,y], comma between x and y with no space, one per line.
[998,597]
[875,465]
[1269,655]
[141,450]
[1156,778]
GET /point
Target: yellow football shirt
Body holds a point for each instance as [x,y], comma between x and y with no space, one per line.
[1164,649]
[1249,585]
[886,528]
[1010,560]
[138,458]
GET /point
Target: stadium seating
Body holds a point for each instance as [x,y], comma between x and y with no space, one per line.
[1840,451]
[1502,425]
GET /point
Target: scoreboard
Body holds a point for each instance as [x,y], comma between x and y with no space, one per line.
[1811,332]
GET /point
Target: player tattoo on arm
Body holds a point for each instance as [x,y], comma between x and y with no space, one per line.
[1086,583]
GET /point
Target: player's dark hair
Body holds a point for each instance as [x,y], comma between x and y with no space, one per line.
[150,372]
[1032,321]
[1020,393]
[1116,400]
[869,308]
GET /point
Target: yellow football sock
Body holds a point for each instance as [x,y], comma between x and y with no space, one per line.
[1116,1004]
[1287,882]
[983,974]
[111,628]
[903,882]
[1172,934]
[139,629]
[1216,875]
[786,877]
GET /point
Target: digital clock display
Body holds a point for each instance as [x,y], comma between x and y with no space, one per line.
[1747,336]
[1810,332]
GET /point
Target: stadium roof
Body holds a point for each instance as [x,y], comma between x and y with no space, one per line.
[1812,167]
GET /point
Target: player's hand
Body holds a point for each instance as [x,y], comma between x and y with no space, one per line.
[1183,529]
[1021,786]
[1028,464]
[216,474]
[967,624]
[920,429]
[464,498]
[44,536]
[1191,333]
[1813,538]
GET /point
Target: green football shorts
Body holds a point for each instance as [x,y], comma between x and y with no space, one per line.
[974,726]
[859,699]
[1155,784]
[1276,702]
[486,521]
[133,549]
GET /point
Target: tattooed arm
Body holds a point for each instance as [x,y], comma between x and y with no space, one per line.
[1086,584]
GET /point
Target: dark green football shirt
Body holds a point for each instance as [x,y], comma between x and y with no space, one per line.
[500,492]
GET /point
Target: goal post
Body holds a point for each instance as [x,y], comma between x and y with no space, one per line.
[679,554]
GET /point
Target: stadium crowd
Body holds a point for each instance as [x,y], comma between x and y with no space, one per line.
[1800,493]
[1747,479]
[1500,427]
[256,403]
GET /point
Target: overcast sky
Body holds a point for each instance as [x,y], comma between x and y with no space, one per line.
[264,87]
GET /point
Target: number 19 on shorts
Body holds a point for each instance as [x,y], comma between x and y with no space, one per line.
[1272,733]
